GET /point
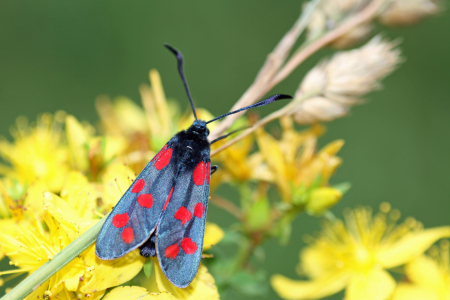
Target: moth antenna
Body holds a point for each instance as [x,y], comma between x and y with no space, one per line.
[228,134]
[183,78]
[260,103]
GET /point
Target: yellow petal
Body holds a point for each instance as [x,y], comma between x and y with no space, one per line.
[136,293]
[34,200]
[376,285]
[275,160]
[131,116]
[411,246]
[109,273]
[113,146]
[312,289]
[411,292]
[213,235]
[66,215]
[425,272]
[202,287]
[79,194]
[116,180]
[71,273]
[77,138]
[160,103]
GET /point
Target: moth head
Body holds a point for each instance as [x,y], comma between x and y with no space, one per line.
[199,127]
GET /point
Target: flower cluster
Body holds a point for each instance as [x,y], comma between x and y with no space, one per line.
[356,255]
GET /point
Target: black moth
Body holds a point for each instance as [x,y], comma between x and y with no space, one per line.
[164,211]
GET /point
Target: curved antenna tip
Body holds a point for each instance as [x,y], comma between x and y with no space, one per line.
[183,77]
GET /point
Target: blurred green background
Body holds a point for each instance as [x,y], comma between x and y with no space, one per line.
[60,55]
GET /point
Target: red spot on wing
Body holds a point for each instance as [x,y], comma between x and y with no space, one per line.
[159,153]
[199,210]
[145,200]
[138,186]
[168,198]
[120,220]
[189,246]
[199,173]
[128,235]
[172,251]
[163,159]
[183,215]
[208,170]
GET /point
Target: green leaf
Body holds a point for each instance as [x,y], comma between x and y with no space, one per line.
[148,268]
[343,187]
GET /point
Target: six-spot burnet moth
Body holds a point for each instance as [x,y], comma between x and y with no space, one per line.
[163,212]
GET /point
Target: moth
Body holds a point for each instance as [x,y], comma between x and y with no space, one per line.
[163,212]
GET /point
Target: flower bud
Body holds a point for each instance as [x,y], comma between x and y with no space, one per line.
[321,199]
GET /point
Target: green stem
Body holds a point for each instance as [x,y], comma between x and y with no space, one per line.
[41,275]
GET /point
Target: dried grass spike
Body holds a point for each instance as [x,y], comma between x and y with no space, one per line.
[333,86]
[408,12]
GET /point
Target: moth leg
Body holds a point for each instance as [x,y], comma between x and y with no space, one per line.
[214,169]
[148,248]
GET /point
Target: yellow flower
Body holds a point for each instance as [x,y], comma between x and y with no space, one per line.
[135,293]
[239,165]
[294,163]
[37,152]
[356,254]
[427,277]
[29,244]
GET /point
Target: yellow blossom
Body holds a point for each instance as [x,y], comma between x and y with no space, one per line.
[355,256]
[293,161]
[239,164]
[37,152]
[428,277]
[135,293]
[78,139]
[29,245]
